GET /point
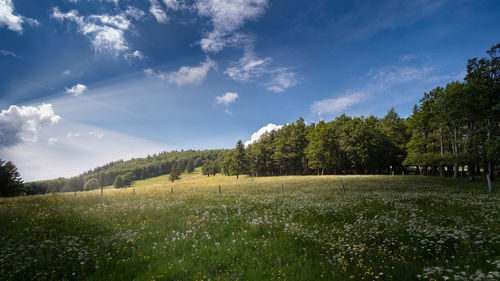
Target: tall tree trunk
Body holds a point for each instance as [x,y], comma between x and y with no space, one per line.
[455,152]
[441,146]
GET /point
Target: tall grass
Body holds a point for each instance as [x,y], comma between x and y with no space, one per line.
[381,228]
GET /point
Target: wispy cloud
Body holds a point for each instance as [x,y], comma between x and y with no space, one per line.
[282,79]
[186,75]
[368,18]
[106,32]
[77,90]
[227,98]
[227,16]
[8,53]
[251,67]
[337,105]
[379,81]
[157,11]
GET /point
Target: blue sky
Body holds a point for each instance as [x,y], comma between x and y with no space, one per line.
[85,82]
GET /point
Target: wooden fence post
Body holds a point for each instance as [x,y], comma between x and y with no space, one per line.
[171,190]
[101,191]
[133,190]
[343,188]
[282,189]
[219,190]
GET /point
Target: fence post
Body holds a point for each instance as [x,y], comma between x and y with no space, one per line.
[282,189]
[219,190]
[133,190]
[343,188]
[101,191]
[75,193]
[413,185]
[171,190]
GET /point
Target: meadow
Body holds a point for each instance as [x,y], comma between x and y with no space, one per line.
[380,228]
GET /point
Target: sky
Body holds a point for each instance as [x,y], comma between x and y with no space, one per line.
[86,82]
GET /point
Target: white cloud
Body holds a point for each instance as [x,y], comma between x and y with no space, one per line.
[337,105]
[8,53]
[70,157]
[157,11]
[248,67]
[228,112]
[18,124]
[251,67]
[52,140]
[135,55]
[282,79]
[8,18]
[227,98]
[71,135]
[186,75]
[96,134]
[77,90]
[266,129]
[105,31]
[226,17]
[134,12]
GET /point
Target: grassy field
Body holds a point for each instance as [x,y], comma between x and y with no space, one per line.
[381,228]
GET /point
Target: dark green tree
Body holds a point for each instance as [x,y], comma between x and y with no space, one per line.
[174,173]
[11,183]
[190,166]
[239,161]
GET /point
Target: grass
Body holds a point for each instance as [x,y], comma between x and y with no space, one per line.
[381,228]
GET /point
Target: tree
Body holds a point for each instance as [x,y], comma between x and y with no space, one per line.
[119,182]
[239,163]
[91,184]
[129,179]
[483,78]
[190,166]
[211,167]
[11,183]
[174,173]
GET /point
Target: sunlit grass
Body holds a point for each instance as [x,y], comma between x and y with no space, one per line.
[381,228]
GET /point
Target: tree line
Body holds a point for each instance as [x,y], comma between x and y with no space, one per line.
[453,131]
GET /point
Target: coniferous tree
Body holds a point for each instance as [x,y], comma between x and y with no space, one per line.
[174,173]
[11,183]
[239,161]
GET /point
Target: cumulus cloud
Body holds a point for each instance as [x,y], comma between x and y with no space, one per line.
[266,129]
[8,18]
[186,75]
[227,16]
[77,90]
[337,105]
[106,32]
[18,124]
[227,98]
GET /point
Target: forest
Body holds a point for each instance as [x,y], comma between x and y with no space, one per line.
[454,131]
